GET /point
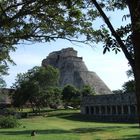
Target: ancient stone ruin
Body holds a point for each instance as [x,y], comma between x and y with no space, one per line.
[111,107]
[74,71]
[105,106]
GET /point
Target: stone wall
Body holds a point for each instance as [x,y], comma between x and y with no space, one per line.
[113,107]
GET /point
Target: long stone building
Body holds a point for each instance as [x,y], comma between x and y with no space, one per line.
[111,107]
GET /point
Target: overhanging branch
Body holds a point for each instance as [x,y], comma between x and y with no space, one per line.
[123,47]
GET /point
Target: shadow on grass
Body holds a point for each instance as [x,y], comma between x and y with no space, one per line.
[61,131]
[89,118]
[96,129]
[132,137]
[76,117]
[28,132]
[75,131]
[72,116]
[51,112]
[55,131]
[51,131]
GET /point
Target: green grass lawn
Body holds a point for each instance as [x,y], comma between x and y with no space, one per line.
[70,125]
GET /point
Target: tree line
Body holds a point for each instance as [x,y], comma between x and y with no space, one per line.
[39,88]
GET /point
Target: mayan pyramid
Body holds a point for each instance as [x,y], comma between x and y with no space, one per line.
[74,71]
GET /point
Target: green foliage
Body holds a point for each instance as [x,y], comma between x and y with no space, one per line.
[52,97]
[2,82]
[3,71]
[8,122]
[70,95]
[119,91]
[33,86]
[39,21]
[129,87]
[87,90]
[28,91]
[44,21]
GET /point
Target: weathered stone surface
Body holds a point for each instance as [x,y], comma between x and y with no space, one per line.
[74,71]
[110,99]
[111,107]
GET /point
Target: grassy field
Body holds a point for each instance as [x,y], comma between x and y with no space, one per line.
[69,125]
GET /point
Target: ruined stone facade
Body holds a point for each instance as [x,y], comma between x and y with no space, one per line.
[74,71]
[113,107]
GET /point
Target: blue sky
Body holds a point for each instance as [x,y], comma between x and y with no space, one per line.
[110,67]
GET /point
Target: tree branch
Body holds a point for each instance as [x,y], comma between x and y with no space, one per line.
[123,47]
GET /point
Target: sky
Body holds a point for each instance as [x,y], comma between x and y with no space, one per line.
[111,68]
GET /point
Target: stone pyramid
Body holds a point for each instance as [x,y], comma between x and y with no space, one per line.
[74,71]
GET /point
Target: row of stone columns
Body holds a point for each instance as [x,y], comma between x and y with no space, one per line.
[111,110]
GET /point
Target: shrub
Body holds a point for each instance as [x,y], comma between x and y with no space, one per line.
[8,122]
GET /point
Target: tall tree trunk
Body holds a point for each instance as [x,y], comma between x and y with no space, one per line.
[134,8]
[136,39]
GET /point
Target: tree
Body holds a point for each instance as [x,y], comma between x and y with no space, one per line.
[87,90]
[70,94]
[31,87]
[119,91]
[116,39]
[23,21]
[52,97]
[3,71]
[125,38]
[129,87]
[2,82]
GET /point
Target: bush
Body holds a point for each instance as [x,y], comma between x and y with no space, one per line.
[8,122]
